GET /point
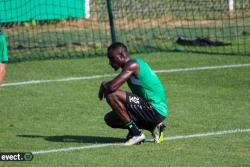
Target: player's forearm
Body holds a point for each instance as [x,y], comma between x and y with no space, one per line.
[110,86]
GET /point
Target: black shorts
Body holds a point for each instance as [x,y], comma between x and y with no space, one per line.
[142,112]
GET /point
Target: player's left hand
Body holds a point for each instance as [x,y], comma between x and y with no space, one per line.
[102,90]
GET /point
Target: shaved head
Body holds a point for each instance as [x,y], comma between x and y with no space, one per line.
[118,55]
[116,49]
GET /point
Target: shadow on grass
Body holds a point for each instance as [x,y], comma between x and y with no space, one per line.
[77,139]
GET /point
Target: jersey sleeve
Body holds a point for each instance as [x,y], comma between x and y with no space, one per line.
[3,49]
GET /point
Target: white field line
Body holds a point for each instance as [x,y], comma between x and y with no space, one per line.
[111,75]
[166,139]
[58,80]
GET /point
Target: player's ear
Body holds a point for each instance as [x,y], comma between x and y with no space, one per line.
[123,55]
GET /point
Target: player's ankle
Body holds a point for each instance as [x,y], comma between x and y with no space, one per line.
[133,129]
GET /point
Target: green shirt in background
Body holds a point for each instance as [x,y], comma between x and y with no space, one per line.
[3,48]
[148,86]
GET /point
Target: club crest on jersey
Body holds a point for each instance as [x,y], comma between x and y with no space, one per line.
[134,100]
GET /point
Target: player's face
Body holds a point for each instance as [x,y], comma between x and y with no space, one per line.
[115,61]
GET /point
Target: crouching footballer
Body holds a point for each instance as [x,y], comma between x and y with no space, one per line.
[145,107]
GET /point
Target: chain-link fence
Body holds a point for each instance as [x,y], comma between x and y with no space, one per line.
[204,26]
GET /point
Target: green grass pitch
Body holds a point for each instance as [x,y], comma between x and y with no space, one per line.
[66,114]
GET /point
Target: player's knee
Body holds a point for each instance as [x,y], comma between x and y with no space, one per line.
[111,97]
[108,120]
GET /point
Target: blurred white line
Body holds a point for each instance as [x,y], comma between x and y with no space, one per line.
[166,139]
[111,75]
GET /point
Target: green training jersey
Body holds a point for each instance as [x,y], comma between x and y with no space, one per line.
[148,86]
[3,48]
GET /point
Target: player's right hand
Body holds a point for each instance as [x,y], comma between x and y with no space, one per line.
[101,92]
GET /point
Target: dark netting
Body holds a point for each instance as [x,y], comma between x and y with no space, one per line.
[203,26]
[41,29]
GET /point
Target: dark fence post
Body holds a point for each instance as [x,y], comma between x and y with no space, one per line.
[111,20]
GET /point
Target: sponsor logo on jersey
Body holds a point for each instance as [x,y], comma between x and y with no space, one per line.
[135,100]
